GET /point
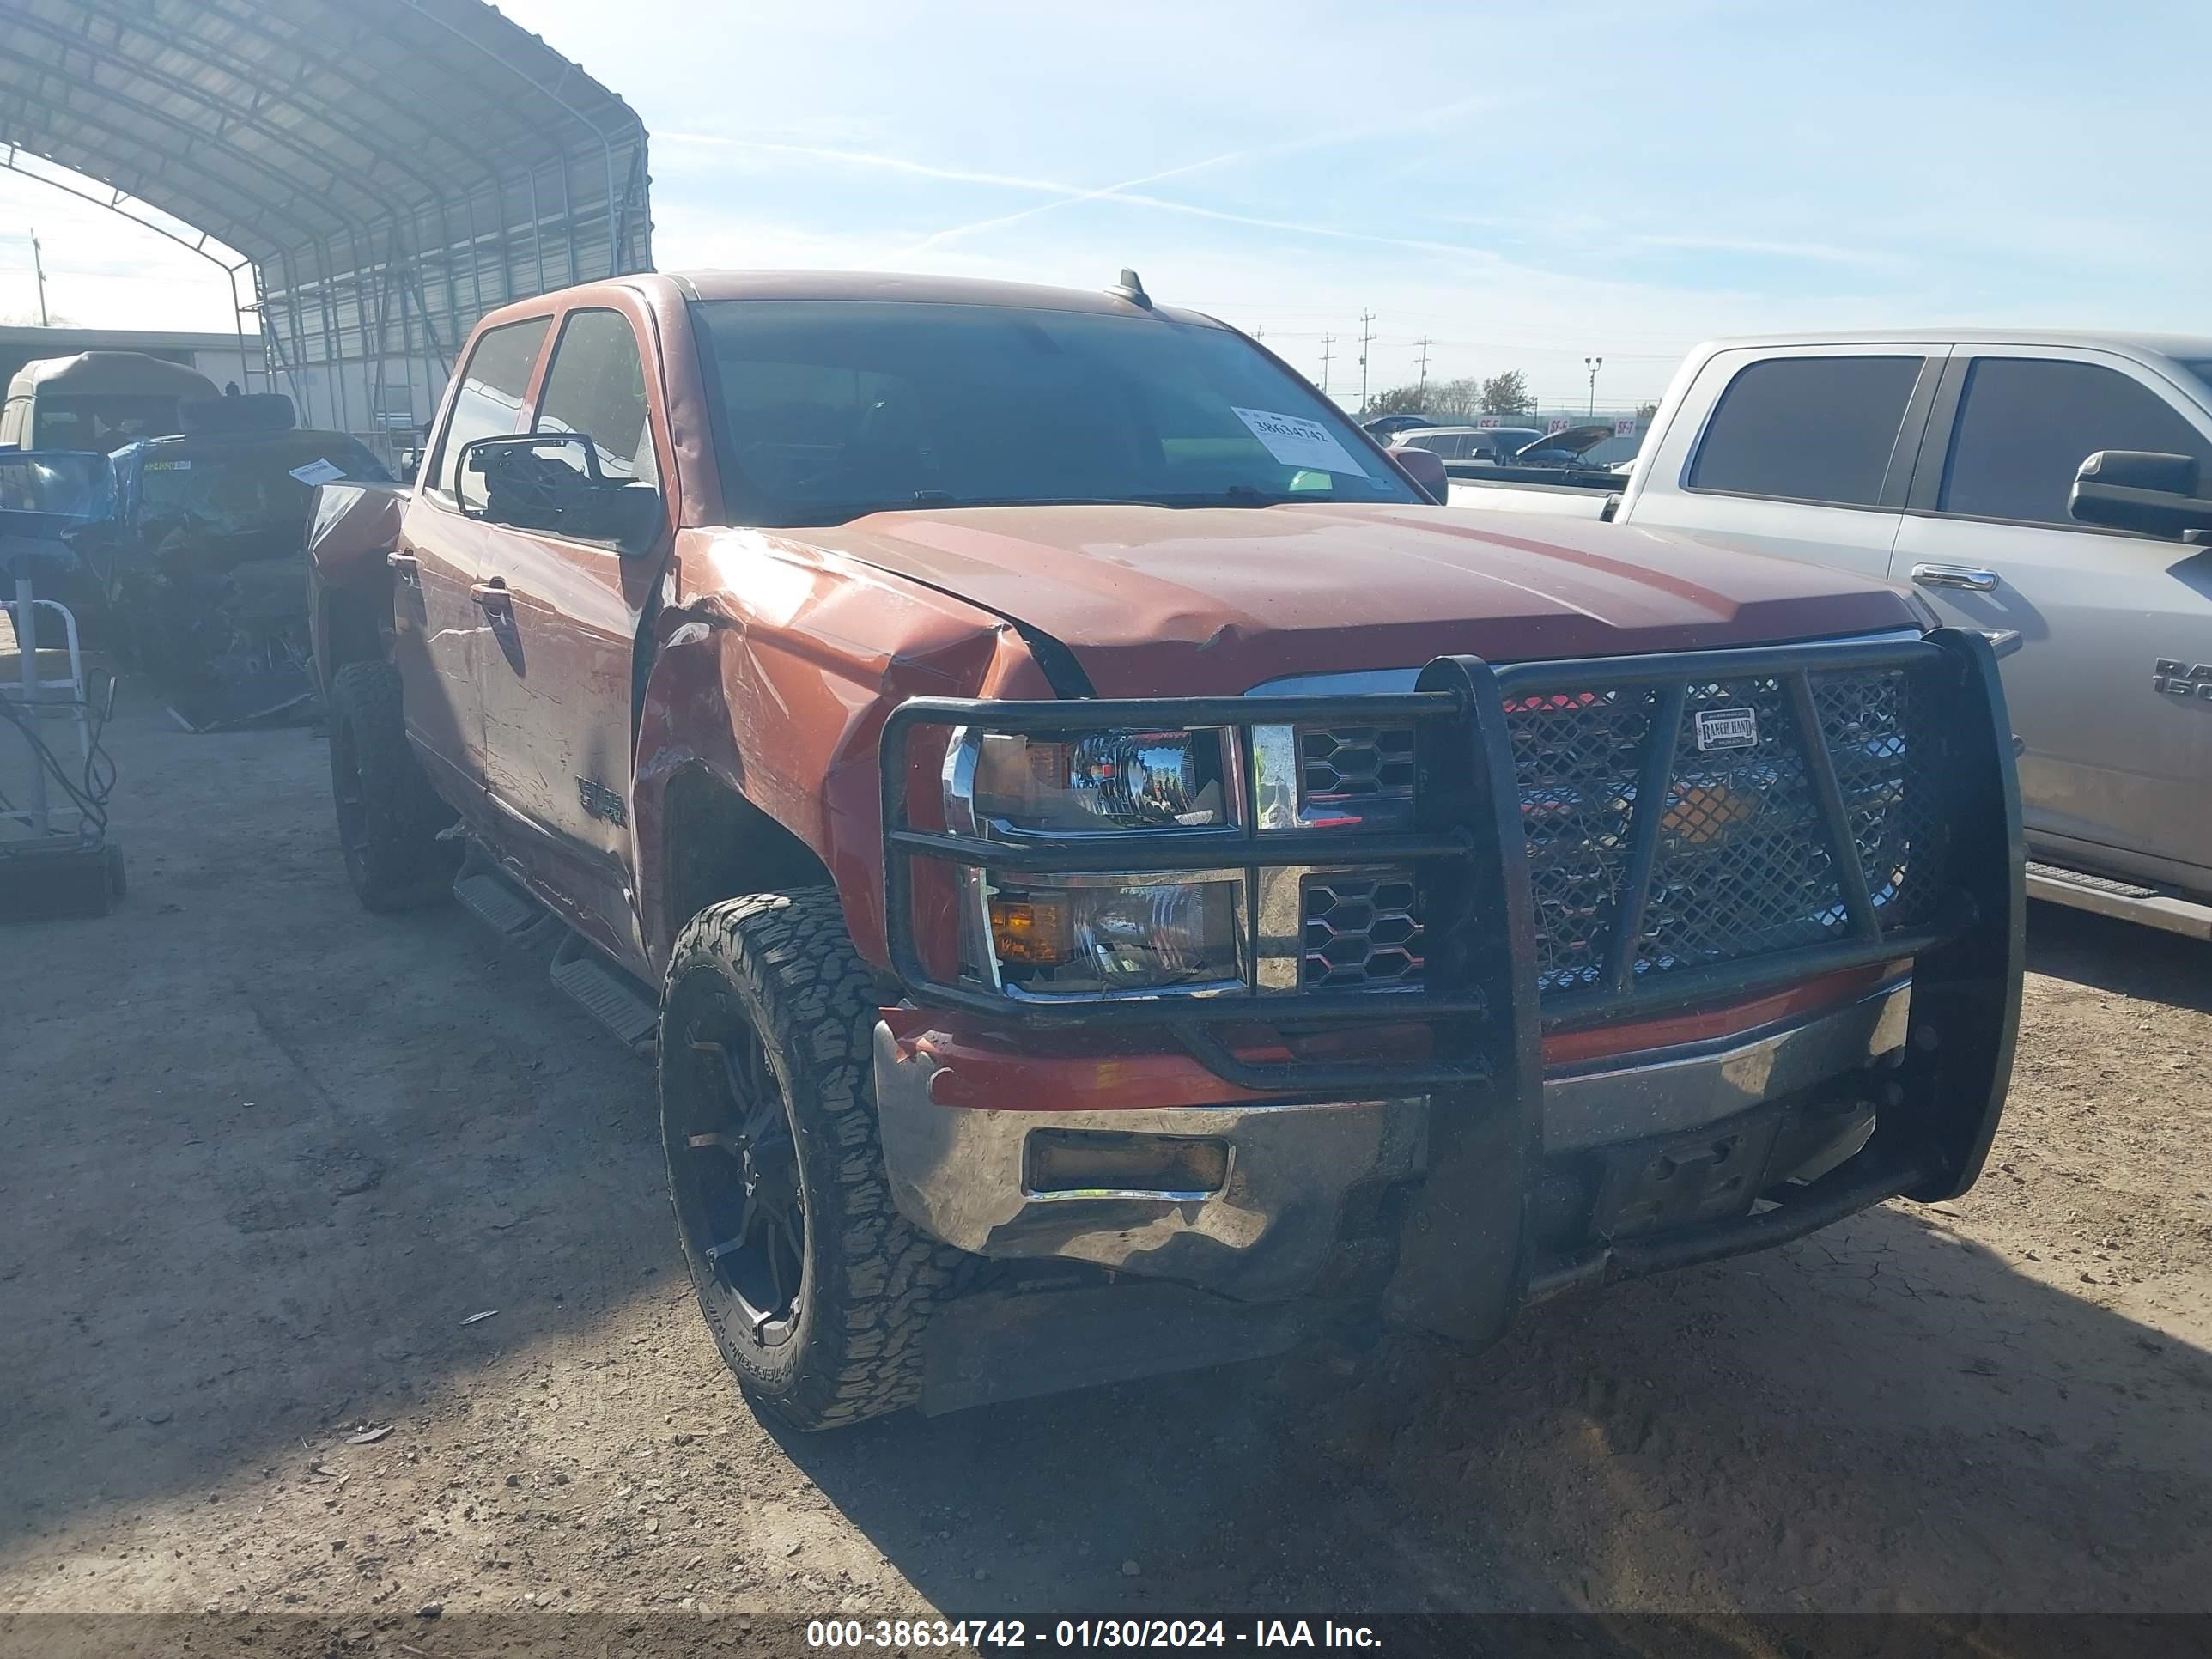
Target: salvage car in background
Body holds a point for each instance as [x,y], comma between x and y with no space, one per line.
[1385,428]
[1961,462]
[1490,443]
[97,400]
[202,565]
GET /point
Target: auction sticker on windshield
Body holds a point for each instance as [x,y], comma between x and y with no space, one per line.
[1296,441]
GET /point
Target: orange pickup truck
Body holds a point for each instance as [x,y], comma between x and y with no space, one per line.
[1115,878]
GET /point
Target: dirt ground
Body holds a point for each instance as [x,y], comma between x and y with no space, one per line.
[263,1156]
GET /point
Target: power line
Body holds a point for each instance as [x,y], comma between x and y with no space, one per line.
[1366,339]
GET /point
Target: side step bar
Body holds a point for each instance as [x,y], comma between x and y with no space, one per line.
[609,995]
[623,1005]
[2121,899]
[494,900]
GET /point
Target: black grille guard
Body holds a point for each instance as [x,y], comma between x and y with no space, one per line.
[1465,1258]
[1468,855]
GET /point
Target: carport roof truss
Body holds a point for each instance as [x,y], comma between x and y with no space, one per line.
[391,170]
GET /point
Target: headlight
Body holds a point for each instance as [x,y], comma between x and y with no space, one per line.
[1101,780]
[1117,933]
[1084,934]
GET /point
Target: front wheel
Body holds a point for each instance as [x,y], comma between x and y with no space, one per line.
[815,1288]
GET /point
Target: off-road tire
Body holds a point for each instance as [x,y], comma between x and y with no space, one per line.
[389,817]
[784,963]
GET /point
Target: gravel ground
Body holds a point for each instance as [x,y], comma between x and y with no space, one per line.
[263,1156]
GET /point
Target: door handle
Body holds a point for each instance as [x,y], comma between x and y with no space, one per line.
[491,595]
[408,567]
[1955,575]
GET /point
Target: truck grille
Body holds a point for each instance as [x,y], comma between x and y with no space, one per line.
[1743,868]
[1355,766]
[1871,724]
[1361,930]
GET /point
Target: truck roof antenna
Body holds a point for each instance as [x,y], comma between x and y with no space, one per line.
[1131,288]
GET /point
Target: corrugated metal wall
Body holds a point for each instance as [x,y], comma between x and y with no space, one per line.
[391,170]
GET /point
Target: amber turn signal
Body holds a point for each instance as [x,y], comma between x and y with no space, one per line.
[1032,930]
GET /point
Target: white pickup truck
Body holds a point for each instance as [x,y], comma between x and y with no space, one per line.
[1961,462]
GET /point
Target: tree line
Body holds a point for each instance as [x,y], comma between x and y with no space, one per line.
[1452,400]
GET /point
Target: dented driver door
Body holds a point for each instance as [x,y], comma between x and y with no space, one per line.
[562,618]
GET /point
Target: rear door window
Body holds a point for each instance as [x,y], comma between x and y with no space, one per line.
[597,386]
[488,403]
[1808,429]
[2026,424]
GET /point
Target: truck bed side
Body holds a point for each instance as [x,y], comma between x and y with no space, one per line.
[1574,501]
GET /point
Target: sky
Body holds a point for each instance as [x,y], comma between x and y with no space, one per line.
[1524,185]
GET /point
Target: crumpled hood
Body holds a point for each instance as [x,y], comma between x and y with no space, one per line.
[1212,601]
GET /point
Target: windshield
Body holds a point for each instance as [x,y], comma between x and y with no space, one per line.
[250,488]
[830,408]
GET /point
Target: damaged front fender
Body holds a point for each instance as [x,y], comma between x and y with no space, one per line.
[775,668]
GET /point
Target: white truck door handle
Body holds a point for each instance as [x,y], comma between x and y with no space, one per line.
[1954,575]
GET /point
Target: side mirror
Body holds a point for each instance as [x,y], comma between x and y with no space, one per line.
[551,481]
[2142,490]
[1426,468]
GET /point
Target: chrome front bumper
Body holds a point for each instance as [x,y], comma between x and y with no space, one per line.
[961,1173]
[1681,1088]
[1276,1216]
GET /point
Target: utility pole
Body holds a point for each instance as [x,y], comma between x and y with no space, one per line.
[39,264]
[1366,339]
[1425,343]
[1592,364]
[1327,341]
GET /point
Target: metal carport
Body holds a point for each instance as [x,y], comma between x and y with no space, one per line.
[389,171]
